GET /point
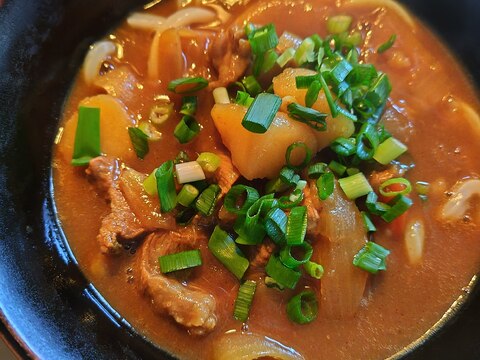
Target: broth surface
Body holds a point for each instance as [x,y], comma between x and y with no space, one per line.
[401,303]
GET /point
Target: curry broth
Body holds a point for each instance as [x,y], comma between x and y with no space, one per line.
[401,303]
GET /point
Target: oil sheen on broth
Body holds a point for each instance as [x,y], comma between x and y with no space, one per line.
[117,231]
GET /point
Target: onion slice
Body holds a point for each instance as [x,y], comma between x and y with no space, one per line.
[414,241]
[98,53]
[458,203]
[249,346]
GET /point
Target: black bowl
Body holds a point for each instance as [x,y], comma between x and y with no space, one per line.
[48,309]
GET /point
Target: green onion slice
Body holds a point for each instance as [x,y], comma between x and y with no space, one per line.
[343,146]
[189,105]
[303,307]
[187,195]
[281,274]
[367,141]
[292,200]
[290,260]
[276,225]
[244,300]
[401,204]
[325,185]
[209,161]
[150,184]
[337,168]
[312,93]
[316,170]
[180,261]
[387,45]
[306,159]
[338,24]
[243,98]
[405,185]
[139,141]
[240,198]
[87,136]
[288,176]
[389,150]
[313,118]
[226,251]
[261,113]
[166,186]
[297,225]
[355,186]
[251,85]
[328,95]
[371,258]
[369,226]
[187,85]
[263,39]
[305,81]
[313,269]
[207,200]
[186,129]
[375,207]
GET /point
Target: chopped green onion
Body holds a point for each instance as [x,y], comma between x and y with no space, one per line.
[325,185]
[261,113]
[189,105]
[305,81]
[252,235]
[352,171]
[244,98]
[268,62]
[275,186]
[367,141]
[339,24]
[139,141]
[355,186]
[186,129]
[337,168]
[161,113]
[387,45]
[362,74]
[224,249]
[205,203]
[303,307]
[306,159]
[343,146]
[187,195]
[286,57]
[401,203]
[251,85]
[180,261]
[259,209]
[301,184]
[271,283]
[281,274]
[263,39]
[181,157]
[166,186]
[404,184]
[316,170]
[369,226]
[313,118]
[375,207]
[317,40]
[276,225]
[150,131]
[187,85]
[340,72]
[371,258]
[328,95]
[209,161]
[291,261]
[87,136]
[294,199]
[244,299]
[389,150]
[305,52]
[313,269]
[150,184]
[312,93]
[379,92]
[189,172]
[220,95]
[422,187]
[296,225]
[288,176]
[240,198]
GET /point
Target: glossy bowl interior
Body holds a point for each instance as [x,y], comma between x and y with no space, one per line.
[48,309]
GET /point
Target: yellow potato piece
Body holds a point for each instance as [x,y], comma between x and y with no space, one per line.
[284,86]
[260,155]
[114,123]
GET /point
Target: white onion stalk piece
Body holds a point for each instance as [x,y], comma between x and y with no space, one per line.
[220,95]
[249,346]
[389,4]
[184,17]
[145,21]
[414,241]
[458,203]
[98,53]
[189,172]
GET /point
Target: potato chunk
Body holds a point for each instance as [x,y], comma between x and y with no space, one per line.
[260,155]
[284,86]
[114,121]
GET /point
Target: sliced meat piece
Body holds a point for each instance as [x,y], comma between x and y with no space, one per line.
[120,224]
[227,174]
[190,307]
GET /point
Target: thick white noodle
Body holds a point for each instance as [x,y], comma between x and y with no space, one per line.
[144,21]
[414,241]
[389,4]
[249,346]
[183,17]
[98,53]
[459,202]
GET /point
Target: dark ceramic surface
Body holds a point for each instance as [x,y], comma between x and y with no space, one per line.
[49,310]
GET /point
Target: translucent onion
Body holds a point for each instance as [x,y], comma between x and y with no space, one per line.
[414,240]
[249,346]
[459,202]
[145,21]
[98,53]
[189,172]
